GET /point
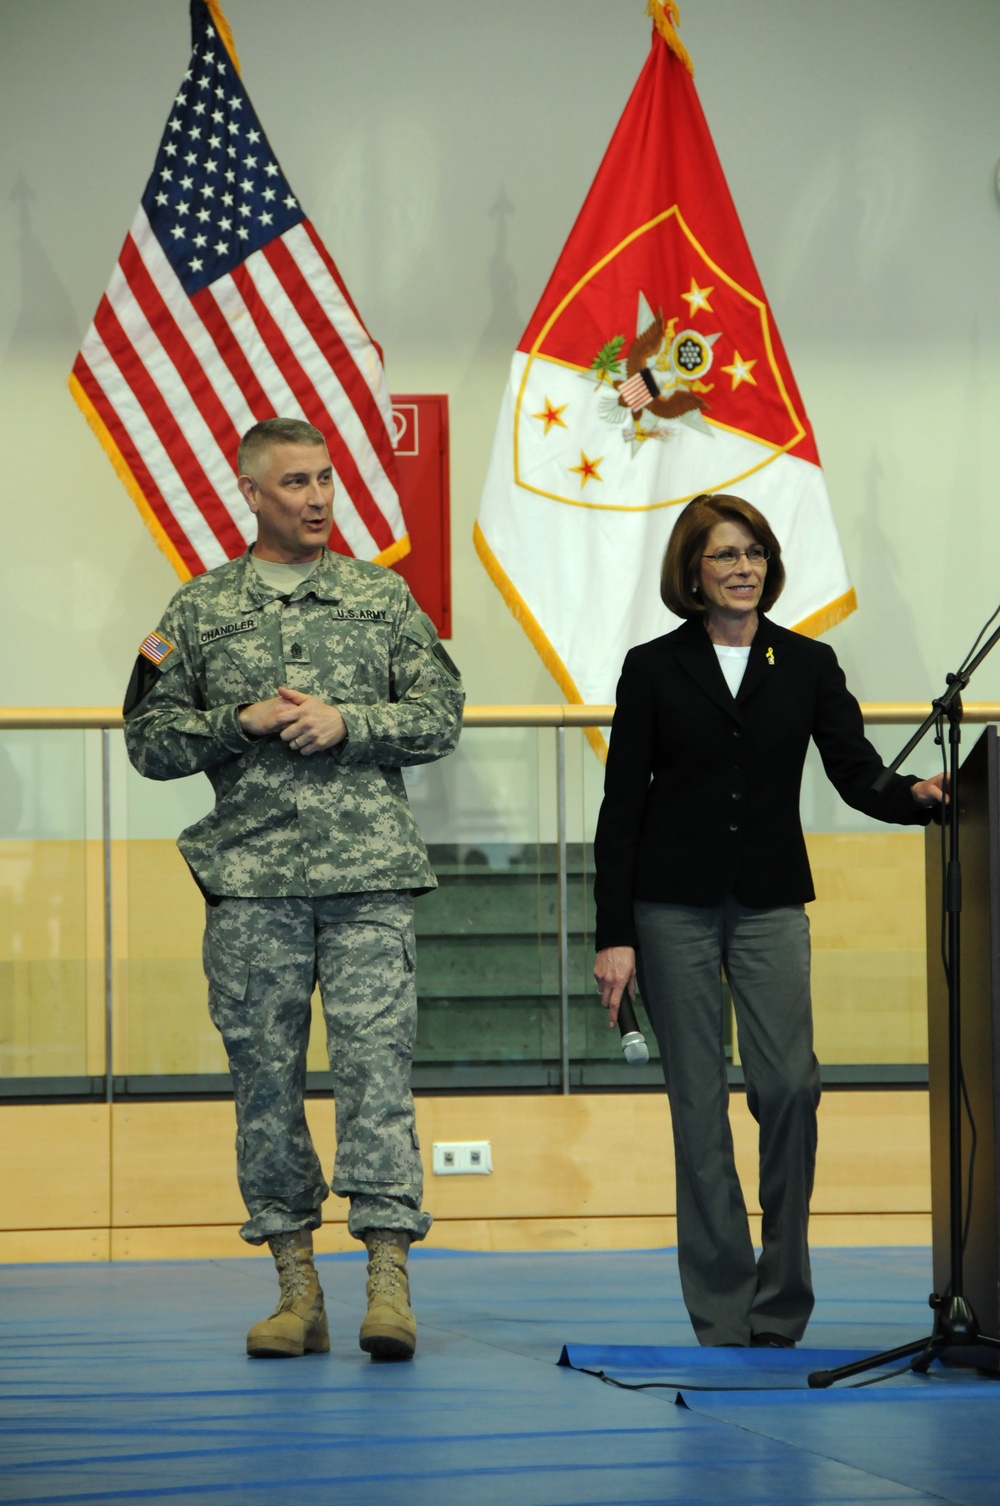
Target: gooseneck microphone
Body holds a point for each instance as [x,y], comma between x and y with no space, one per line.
[633,1041]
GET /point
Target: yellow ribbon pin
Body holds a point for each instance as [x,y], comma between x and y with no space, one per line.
[769,656]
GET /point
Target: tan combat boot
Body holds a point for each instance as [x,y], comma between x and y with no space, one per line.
[299,1321]
[389,1329]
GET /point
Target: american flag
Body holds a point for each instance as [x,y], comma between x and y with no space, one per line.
[155,648]
[226,308]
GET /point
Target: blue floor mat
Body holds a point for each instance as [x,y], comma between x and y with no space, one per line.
[722,1369]
[944,1440]
[127,1383]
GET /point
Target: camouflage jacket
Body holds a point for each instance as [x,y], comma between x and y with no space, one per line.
[335,822]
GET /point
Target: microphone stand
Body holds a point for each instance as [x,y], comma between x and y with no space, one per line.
[955,1322]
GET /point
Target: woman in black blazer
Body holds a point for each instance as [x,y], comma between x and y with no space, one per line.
[701,866]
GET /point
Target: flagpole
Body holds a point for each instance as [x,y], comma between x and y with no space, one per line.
[563,908]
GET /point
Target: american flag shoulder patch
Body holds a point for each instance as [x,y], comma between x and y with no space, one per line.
[155,649]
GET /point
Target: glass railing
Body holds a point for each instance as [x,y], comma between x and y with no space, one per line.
[100,922]
[53,943]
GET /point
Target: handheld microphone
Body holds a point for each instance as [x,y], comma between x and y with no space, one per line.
[633,1041]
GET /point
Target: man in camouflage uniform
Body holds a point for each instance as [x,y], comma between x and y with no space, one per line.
[300,681]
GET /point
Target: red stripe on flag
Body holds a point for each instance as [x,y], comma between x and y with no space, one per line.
[330,266]
[636,393]
[178,347]
[169,432]
[108,414]
[332,344]
[312,404]
[337,542]
[231,353]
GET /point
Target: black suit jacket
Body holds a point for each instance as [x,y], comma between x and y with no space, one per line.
[701,794]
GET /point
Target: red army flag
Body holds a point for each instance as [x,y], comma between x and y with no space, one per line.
[651,371]
[226,308]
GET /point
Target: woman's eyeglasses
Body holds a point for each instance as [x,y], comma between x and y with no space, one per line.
[725,558]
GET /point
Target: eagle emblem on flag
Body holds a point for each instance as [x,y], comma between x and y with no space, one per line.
[664,371]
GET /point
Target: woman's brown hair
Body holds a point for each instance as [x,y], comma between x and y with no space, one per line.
[681,567]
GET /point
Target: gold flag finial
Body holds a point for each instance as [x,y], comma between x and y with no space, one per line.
[666,18]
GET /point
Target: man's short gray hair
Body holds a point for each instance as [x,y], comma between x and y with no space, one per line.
[271,431]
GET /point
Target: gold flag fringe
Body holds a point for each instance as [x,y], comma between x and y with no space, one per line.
[224,29]
[828,616]
[397,551]
[525,618]
[666,16]
[126,477]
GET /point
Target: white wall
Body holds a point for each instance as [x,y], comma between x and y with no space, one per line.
[859,139]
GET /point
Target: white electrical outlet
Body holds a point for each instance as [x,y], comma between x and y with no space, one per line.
[462,1158]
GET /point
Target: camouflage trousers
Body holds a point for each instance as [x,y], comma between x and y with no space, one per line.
[263,958]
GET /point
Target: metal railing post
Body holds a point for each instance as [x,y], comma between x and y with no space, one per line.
[563,908]
[109,1059]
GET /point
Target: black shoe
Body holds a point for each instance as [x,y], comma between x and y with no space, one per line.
[770,1341]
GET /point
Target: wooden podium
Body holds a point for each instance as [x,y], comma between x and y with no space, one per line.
[979,833]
